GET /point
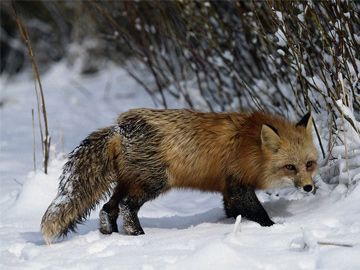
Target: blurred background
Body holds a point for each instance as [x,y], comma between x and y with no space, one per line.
[279,55]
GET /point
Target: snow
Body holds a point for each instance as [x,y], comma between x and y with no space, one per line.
[183,229]
[282,41]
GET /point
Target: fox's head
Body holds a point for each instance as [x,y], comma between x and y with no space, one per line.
[291,154]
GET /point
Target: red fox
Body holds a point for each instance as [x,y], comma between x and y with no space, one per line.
[147,152]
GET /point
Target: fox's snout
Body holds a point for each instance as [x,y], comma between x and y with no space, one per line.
[308,188]
[305,184]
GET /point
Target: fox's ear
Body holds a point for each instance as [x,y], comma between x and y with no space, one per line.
[306,121]
[270,137]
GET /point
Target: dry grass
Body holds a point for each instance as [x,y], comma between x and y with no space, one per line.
[42,116]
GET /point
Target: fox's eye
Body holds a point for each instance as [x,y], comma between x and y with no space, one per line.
[290,167]
[309,164]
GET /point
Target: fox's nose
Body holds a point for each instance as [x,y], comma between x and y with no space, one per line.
[308,188]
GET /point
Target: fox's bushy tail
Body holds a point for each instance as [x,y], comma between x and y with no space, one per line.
[86,178]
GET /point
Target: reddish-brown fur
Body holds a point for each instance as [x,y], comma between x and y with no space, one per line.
[201,149]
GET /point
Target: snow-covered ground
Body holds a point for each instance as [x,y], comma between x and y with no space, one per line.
[183,229]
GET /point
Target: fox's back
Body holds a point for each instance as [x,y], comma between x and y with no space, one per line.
[195,146]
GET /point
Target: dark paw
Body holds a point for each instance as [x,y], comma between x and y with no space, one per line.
[267,223]
[130,230]
[107,224]
[137,232]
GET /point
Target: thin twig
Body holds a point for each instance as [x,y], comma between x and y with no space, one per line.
[33,131]
[328,243]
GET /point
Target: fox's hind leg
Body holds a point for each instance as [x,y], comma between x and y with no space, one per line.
[131,204]
[129,208]
[240,200]
[110,211]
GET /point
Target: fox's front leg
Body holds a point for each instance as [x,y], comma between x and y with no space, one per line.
[241,200]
